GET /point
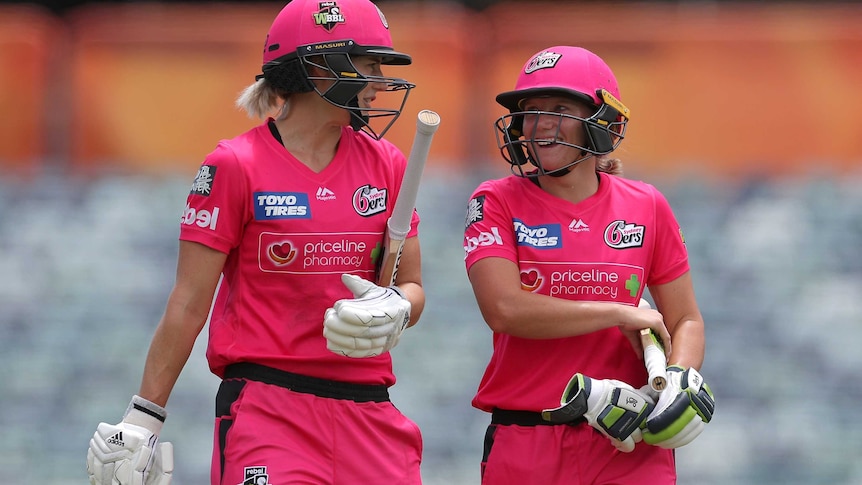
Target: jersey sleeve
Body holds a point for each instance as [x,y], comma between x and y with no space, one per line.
[671,255]
[216,205]
[414,224]
[488,230]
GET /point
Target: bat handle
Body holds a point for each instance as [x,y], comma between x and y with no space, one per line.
[655,362]
[654,359]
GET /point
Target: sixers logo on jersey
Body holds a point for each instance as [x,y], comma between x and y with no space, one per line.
[368,200]
[622,235]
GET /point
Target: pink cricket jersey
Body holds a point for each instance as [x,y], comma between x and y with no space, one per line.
[606,248]
[289,234]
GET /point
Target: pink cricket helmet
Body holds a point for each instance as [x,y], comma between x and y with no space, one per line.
[571,71]
[359,24]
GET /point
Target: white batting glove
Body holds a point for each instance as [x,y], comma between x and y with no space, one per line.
[682,411]
[369,324]
[129,453]
[613,407]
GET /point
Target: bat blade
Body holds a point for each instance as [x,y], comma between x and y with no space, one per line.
[398,224]
[654,358]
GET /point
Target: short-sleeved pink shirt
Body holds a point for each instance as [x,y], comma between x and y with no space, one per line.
[606,248]
[289,234]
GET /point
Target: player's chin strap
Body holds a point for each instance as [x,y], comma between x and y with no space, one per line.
[559,172]
[359,120]
[563,171]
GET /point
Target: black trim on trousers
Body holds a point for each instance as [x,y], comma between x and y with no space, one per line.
[307,384]
[508,417]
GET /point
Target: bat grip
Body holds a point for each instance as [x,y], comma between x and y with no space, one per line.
[397,233]
[654,361]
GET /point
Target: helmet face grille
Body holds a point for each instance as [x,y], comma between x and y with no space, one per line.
[340,83]
[602,137]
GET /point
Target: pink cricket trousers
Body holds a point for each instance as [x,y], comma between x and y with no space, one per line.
[276,428]
[566,454]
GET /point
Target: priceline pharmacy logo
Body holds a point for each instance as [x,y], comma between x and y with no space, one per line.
[583,281]
[318,253]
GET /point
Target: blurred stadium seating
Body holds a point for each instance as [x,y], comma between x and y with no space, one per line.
[744,115]
[87,266]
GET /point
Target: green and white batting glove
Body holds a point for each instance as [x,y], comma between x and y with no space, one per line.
[682,411]
[613,407]
[368,324]
[129,453]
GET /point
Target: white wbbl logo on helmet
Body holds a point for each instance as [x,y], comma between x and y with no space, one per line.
[542,60]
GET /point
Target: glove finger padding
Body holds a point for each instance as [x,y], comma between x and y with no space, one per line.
[372,305]
[683,410]
[369,324]
[118,455]
[163,465]
[339,326]
[613,407]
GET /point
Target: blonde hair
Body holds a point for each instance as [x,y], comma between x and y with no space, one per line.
[261,99]
[613,166]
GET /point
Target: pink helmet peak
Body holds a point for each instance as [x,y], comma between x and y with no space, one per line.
[566,70]
[354,26]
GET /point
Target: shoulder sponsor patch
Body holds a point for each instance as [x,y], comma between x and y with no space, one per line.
[475,210]
[203,183]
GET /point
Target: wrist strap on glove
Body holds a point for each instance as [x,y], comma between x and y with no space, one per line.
[145,414]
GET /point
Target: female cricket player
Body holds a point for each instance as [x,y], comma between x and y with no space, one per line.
[282,226]
[558,255]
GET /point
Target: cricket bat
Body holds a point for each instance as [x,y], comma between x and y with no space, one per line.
[654,358]
[398,224]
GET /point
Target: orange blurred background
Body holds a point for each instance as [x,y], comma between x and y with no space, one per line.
[728,90]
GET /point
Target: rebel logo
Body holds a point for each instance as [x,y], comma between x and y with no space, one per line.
[471,243]
[200,217]
[531,280]
[282,253]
